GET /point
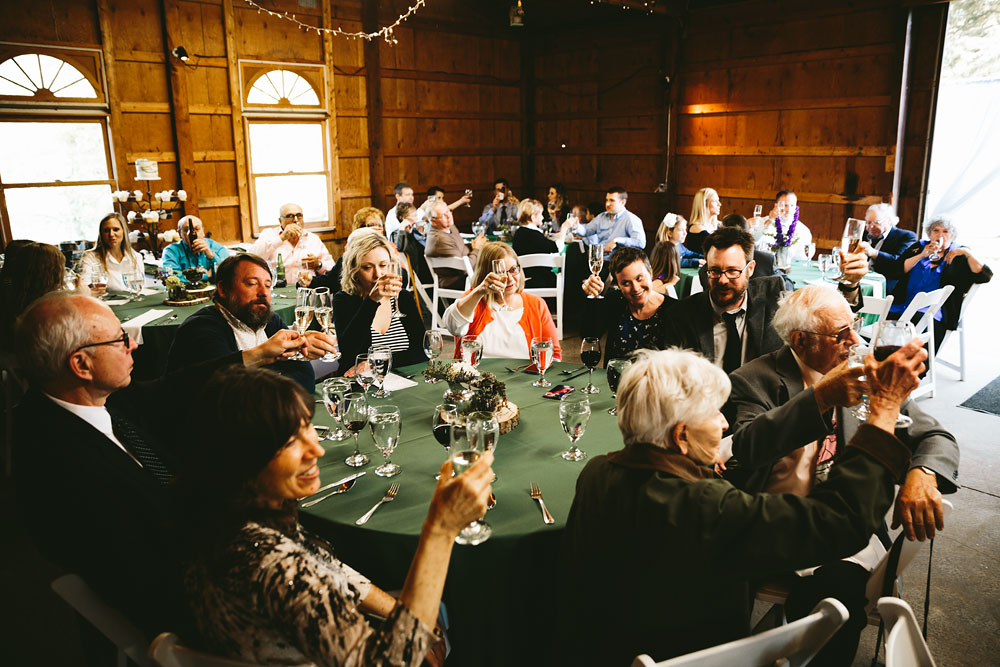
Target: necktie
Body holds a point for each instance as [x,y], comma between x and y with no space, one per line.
[734,344]
[133,441]
[503,213]
[828,447]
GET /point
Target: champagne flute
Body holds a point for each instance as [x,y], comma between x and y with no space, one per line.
[464,454]
[595,257]
[433,346]
[472,350]
[485,427]
[590,355]
[445,415]
[542,348]
[324,318]
[856,359]
[615,369]
[355,417]
[363,372]
[334,391]
[854,229]
[468,193]
[396,269]
[892,335]
[305,309]
[499,267]
[380,360]
[386,428]
[574,415]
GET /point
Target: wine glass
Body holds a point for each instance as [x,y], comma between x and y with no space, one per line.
[355,416]
[595,257]
[380,360]
[809,249]
[478,228]
[935,250]
[363,372]
[854,229]
[892,335]
[385,425]
[324,318]
[97,281]
[305,309]
[445,416]
[472,350]
[464,453]
[757,210]
[856,359]
[468,193]
[590,355]
[615,369]
[574,415]
[69,280]
[824,264]
[541,353]
[484,427]
[396,269]
[433,346]
[835,258]
[499,267]
[333,391]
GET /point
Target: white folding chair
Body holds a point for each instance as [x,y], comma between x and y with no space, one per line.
[794,644]
[167,651]
[550,261]
[437,263]
[904,645]
[960,329]
[110,622]
[873,305]
[932,301]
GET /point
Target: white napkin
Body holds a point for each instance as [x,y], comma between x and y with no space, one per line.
[134,326]
[116,302]
[146,291]
[395,382]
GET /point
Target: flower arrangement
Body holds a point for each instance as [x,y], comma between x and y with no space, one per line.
[470,390]
[783,238]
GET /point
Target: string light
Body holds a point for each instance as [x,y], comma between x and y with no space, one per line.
[385,33]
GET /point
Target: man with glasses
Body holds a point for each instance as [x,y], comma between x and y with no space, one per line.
[300,250]
[443,240]
[502,211]
[93,452]
[789,423]
[193,250]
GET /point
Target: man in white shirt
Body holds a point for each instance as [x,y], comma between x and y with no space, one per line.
[403,193]
[616,226]
[300,250]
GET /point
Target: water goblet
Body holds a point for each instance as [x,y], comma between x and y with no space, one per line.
[355,417]
[464,453]
[386,428]
[334,391]
[433,347]
[380,360]
[590,355]
[615,369]
[574,415]
[542,348]
[484,427]
[363,372]
[472,350]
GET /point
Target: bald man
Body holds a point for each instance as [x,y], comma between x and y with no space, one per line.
[301,251]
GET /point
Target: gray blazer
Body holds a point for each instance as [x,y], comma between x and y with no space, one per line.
[444,244]
[771,414]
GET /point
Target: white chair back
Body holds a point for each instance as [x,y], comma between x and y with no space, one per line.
[552,261]
[436,264]
[794,644]
[873,305]
[904,645]
[960,329]
[932,301]
[167,651]
[110,622]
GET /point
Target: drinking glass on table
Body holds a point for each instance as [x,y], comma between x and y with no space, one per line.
[542,348]
[615,369]
[355,416]
[363,372]
[380,360]
[595,258]
[590,355]
[305,310]
[324,318]
[445,416]
[484,427]
[386,428]
[465,451]
[433,346]
[396,269]
[499,267]
[472,350]
[824,264]
[334,391]
[856,359]
[574,415]
[809,249]
[854,229]
[892,335]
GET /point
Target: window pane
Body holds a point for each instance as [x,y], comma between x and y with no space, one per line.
[56,214]
[24,74]
[46,152]
[280,84]
[284,148]
[273,192]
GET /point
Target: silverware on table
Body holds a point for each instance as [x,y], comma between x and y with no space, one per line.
[342,486]
[570,371]
[389,496]
[536,494]
[518,369]
[577,374]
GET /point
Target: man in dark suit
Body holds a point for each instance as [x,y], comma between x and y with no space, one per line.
[93,453]
[763,261]
[883,242]
[240,319]
[443,240]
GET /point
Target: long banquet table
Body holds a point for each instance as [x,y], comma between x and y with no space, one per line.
[500,594]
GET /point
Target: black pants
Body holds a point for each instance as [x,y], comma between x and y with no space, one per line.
[841,580]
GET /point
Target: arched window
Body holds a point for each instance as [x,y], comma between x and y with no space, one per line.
[42,76]
[280,87]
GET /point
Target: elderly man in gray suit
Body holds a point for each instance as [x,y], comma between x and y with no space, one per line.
[443,240]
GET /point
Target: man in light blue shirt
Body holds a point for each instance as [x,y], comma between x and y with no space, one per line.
[193,249]
[616,226]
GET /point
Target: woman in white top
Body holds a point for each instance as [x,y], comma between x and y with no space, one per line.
[113,254]
[504,332]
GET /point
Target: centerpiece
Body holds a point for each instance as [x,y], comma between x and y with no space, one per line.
[197,290]
[472,391]
[784,237]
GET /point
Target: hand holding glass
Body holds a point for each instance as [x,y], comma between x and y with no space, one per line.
[464,454]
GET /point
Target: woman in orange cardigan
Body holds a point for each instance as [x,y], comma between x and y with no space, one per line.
[506,325]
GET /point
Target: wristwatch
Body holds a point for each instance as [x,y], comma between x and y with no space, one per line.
[847,288]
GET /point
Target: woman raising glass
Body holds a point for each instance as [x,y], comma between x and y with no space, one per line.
[113,255]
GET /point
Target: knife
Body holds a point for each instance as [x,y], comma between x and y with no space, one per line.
[576,375]
[338,483]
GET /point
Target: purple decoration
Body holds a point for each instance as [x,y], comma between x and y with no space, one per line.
[780,240]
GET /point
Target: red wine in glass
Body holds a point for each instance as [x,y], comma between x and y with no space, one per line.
[442,433]
[591,358]
[883,352]
[355,425]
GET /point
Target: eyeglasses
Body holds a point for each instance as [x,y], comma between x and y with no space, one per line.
[731,274]
[124,339]
[514,271]
[293,216]
[841,335]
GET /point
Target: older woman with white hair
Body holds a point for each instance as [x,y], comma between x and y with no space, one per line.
[193,250]
[680,547]
[931,264]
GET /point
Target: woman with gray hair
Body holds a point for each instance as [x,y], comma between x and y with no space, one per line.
[683,546]
[931,264]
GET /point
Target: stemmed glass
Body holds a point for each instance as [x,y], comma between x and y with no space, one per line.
[757,210]
[472,350]
[305,309]
[856,359]
[499,267]
[854,229]
[355,416]
[615,369]
[595,257]
[97,281]
[433,346]
[590,355]
[380,360]
[334,391]
[468,193]
[324,317]
[892,335]
[396,269]
[574,415]
[484,427]
[445,416]
[809,249]
[69,280]
[541,353]
[824,264]
[465,451]
[383,420]
[835,263]
[363,372]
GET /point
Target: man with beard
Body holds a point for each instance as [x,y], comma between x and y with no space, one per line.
[240,319]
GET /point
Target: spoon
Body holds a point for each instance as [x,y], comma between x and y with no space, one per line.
[570,371]
[346,486]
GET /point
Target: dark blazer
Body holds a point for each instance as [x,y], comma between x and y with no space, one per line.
[445,244]
[354,315]
[771,415]
[92,510]
[207,335]
[691,321]
[896,241]
[764,267]
[330,279]
[529,242]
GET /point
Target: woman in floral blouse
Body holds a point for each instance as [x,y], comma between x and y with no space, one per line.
[263,589]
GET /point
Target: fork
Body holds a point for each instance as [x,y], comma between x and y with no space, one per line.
[389,496]
[536,494]
[517,369]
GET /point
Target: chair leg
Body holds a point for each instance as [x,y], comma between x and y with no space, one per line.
[961,353]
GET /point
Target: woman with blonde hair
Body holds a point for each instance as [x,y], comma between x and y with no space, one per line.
[366,307]
[113,254]
[498,311]
[529,239]
[704,218]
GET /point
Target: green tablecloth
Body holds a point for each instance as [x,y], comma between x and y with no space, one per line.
[500,594]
